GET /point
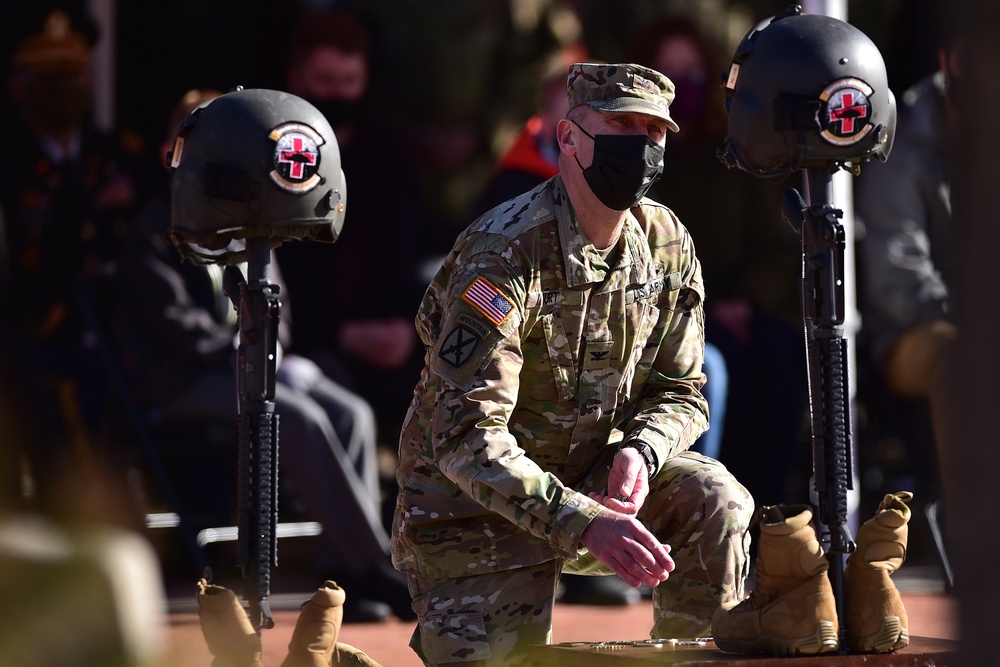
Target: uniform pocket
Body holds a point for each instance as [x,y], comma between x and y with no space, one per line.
[451,638]
[646,333]
[560,356]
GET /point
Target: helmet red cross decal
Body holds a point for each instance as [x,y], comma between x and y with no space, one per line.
[296,157]
[847,111]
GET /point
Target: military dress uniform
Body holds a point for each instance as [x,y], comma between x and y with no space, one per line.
[544,355]
[64,207]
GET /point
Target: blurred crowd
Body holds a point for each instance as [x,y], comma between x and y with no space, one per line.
[440,114]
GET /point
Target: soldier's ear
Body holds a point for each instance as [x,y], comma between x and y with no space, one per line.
[566,136]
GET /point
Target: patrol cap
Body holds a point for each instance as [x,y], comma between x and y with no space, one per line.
[55,41]
[621,88]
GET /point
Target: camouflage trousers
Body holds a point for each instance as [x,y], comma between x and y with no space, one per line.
[695,505]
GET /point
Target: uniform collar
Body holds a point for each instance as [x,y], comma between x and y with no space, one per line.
[583,262]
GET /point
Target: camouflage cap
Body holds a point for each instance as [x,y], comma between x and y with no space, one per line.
[621,88]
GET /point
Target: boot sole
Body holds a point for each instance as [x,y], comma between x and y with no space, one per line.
[892,636]
[823,640]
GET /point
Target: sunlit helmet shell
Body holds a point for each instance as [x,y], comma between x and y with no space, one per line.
[807,90]
[255,163]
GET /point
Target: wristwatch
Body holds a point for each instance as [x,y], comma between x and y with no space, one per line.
[648,455]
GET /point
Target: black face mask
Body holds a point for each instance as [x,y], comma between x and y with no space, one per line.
[623,169]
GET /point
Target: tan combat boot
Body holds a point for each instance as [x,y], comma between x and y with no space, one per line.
[227,629]
[314,639]
[348,656]
[875,617]
[791,609]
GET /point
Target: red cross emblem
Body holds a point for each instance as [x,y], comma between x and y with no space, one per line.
[296,157]
[848,111]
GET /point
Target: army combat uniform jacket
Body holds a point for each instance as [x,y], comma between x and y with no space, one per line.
[543,354]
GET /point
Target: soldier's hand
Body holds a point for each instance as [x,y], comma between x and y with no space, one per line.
[628,483]
[622,543]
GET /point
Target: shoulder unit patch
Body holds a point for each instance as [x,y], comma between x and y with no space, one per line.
[459,345]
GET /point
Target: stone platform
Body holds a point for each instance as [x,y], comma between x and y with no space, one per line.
[922,652]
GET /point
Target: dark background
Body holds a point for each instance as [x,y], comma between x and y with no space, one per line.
[165,47]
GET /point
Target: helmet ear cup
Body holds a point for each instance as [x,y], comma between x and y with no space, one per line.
[255,163]
[806,90]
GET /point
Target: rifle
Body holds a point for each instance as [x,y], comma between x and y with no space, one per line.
[258,306]
[822,294]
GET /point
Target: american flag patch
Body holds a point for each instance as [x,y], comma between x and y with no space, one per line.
[488,300]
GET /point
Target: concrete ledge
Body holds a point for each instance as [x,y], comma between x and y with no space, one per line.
[922,652]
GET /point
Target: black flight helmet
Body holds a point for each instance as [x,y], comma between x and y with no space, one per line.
[254,163]
[806,90]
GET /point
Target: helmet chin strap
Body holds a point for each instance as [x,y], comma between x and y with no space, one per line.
[203,249]
[730,157]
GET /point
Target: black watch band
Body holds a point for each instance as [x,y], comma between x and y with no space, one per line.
[648,455]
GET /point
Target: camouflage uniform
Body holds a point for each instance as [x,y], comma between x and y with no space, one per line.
[544,354]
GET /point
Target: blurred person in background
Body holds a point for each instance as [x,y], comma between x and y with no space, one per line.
[907,271]
[67,193]
[81,585]
[355,300]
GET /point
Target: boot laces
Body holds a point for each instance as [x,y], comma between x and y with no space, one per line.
[751,599]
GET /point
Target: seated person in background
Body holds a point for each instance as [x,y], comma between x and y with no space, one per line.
[178,331]
[905,254]
[353,315]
